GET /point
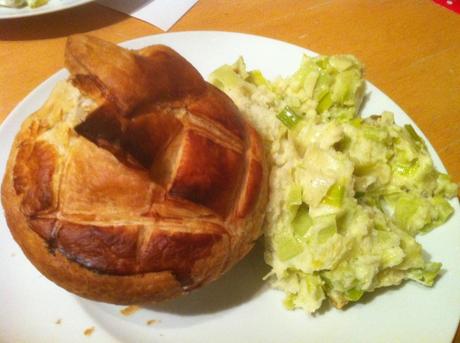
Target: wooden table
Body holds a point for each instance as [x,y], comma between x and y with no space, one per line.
[411,49]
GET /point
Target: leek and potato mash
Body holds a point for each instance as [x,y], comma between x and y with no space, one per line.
[348,194]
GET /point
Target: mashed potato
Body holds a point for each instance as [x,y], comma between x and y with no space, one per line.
[347,195]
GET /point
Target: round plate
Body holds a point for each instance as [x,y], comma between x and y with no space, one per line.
[51,6]
[239,307]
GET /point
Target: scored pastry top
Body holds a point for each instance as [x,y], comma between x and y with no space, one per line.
[137,164]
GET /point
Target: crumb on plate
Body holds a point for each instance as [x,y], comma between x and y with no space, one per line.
[89,331]
[127,311]
[152,322]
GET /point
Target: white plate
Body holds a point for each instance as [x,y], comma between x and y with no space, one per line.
[51,6]
[239,307]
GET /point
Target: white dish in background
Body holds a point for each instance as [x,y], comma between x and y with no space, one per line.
[239,307]
[51,6]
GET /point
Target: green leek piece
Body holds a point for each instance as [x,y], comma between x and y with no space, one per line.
[309,83]
[326,233]
[405,209]
[443,211]
[320,93]
[365,169]
[287,247]
[288,117]
[356,122]
[383,236]
[294,197]
[321,61]
[344,115]
[334,196]
[36,3]
[325,103]
[354,294]
[323,85]
[302,221]
[445,186]
[406,169]
[411,131]
[373,133]
[327,227]
[341,63]
[288,301]
[256,77]
[427,275]
[225,77]
[341,88]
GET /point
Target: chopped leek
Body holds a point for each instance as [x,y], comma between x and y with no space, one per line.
[288,117]
[36,3]
[406,169]
[225,77]
[354,294]
[256,77]
[442,211]
[325,103]
[334,196]
[302,221]
[327,227]
[287,247]
[426,275]
[411,131]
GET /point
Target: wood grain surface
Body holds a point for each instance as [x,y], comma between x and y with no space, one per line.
[411,49]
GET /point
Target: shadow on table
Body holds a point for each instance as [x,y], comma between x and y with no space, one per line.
[64,23]
[128,6]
